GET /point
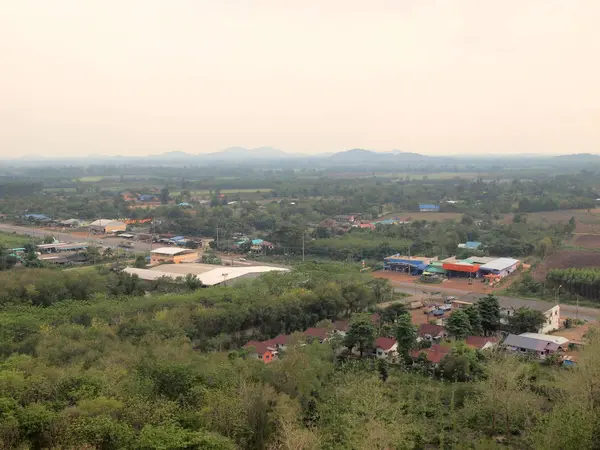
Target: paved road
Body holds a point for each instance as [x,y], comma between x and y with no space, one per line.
[590,314]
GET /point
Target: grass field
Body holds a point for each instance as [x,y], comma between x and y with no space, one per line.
[10,240]
[588,221]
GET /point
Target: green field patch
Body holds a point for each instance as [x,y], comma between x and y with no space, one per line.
[10,240]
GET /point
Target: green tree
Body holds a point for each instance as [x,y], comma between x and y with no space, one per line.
[164,196]
[406,334]
[490,313]
[392,313]
[361,333]
[140,262]
[458,324]
[474,319]
[526,320]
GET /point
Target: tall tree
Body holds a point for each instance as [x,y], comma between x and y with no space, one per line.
[164,196]
[526,320]
[361,333]
[406,334]
[474,319]
[489,311]
[458,324]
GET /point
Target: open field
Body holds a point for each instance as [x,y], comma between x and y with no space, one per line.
[586,241]
[588,221]
[564,259]
[10,240]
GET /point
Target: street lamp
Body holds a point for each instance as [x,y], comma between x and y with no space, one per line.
[557,293]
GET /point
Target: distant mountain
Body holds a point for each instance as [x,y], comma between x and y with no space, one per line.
[579,157]
[362,156]
[244,153]
[174,155]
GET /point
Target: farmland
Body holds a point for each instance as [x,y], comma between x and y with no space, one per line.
[588,241]
[564,259]
[588,221]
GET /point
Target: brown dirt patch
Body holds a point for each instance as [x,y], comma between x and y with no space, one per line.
[564,259]
[460,284]
[587,240]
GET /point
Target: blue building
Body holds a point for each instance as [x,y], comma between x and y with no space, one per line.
[429,207]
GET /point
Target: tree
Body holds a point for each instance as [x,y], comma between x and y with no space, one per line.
[164,196]
[392,313]
[7,261]
[474,319]
[140,262]
[406,334]
[526,320]
[361,333]
[458,324]
[92,253]
[489,311]
[48,239]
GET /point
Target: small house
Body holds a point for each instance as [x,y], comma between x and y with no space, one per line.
[482,342]
[538,344]
[261,351]
[385,347]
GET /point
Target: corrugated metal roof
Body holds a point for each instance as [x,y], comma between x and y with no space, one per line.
[500,264]
[210,278]
[171,251]
[513,340]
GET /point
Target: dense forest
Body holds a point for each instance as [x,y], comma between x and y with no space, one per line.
[165,372]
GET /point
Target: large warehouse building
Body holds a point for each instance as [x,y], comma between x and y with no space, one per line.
[209,275]
[107,226]
[473,267]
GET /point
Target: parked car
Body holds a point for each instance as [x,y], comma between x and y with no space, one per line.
[446,307]
[438,312]
[449,299]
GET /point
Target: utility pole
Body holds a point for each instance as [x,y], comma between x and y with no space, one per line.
[302,246]
[217,237]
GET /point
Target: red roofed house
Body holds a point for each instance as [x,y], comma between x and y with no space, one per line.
[434,354]
[482,342]
[322,334]
[278,342]
[430,332]
[385,347]
[263,351]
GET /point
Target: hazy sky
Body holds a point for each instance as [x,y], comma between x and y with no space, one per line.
[82,77]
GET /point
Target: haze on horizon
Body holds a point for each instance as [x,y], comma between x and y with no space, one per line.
[139,77]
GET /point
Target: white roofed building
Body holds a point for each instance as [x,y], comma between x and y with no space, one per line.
[218,275]
[501,267]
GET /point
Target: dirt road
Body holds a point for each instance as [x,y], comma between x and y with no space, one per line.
[589,314]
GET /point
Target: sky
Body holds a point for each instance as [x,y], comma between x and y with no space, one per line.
[137,77]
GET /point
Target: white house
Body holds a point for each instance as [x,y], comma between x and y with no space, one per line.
[385,347]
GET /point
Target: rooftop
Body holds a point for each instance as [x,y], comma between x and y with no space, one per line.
[171,251]
[546,337]
[215,276]
[385,343]
[103,222]
[480,341]
[500,264]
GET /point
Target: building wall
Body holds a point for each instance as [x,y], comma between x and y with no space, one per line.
[553,320]
[113,228]
[175,259]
